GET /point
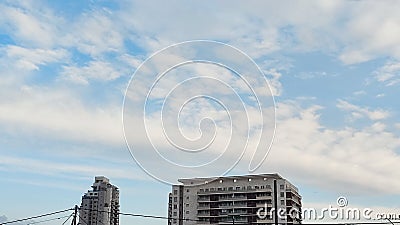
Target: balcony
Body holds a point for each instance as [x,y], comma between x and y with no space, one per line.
[216,192]
[233,198]
[264,197]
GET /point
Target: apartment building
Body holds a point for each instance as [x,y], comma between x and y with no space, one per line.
[250,199]
[100,206]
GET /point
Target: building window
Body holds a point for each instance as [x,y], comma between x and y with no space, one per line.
[187,190]
[221,181]
[234,180]
[175,206]
[187,212]
[201,190]
[187,197]
[175,192]
[249,179]
[175,199]
[282,202]
[187,205]
[174,213]
[282,186]
[282,194]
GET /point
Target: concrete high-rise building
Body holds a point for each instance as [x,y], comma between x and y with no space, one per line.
[100,206]
[250,199]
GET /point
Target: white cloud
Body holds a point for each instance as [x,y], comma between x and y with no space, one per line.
[273,81]
[389,74]
[94,70]
[52,168]
[372,34]
[337,160]
[96,32]
[344,159]
[315,74]
[32,59]
[342,28]
[353,57]
[58,113]
[34,25]
[359,112]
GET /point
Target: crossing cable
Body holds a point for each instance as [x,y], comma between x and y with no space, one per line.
[42,221]
[186,219]
[35,217]
[167,218]
[67,219]
[142,215]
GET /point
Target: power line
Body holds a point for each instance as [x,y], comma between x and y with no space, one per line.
[81,219]
[164,217]
[35,217]
[142,215]
[42,221]
[67,219]
[186,219]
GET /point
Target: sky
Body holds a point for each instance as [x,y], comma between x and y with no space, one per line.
[74,103]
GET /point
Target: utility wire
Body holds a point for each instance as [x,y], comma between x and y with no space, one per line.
[144,216]
[42,221]
[163,217]
[185,219]
[81,219]
[95,210]
[35,217]
[67,218]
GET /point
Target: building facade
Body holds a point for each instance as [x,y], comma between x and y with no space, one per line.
[251,199]
[100,206]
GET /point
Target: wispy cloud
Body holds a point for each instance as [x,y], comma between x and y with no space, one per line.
[94,70]
[358,112]
[32,59]
[59,114]
[54,168]
[328,158]
[389,74]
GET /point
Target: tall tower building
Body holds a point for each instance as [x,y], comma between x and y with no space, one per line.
[251,199]
[100,206]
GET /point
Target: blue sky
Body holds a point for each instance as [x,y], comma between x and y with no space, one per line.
[333,68]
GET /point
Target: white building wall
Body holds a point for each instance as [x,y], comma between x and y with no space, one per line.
[191,192]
